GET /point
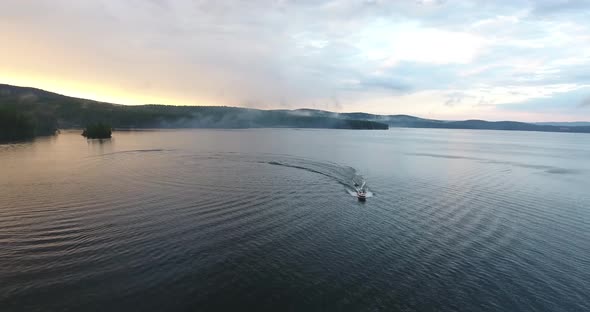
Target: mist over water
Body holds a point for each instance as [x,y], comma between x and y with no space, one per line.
[264,219]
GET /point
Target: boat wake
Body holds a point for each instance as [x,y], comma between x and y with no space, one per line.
[344,175]
[354,193]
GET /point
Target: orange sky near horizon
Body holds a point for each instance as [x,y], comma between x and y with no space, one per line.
[91,91]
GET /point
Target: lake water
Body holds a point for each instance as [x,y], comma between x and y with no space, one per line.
[263,219]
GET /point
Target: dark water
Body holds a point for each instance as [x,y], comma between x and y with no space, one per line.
[263,220]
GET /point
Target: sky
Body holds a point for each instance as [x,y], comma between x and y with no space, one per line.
[493,60]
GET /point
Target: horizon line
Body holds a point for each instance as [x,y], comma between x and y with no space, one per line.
[289,109]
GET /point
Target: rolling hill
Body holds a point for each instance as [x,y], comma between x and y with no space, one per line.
[28,112]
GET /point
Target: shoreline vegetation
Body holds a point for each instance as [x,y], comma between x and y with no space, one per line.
[18,126]
[29,112]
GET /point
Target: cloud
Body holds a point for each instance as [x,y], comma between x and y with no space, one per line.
[585,102]
[422,57]
[551,7]
[453,99]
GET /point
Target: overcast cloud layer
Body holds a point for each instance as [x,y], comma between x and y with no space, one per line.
[523,60]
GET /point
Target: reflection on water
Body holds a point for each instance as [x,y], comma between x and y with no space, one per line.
[100,146]
[209,220]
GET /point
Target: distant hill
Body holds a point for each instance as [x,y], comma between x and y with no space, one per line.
[41,112]
[406,121]
[38,107]
[565,124]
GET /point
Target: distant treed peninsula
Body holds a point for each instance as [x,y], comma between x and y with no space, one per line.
[28,112]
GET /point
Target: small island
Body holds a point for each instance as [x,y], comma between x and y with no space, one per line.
[98,131]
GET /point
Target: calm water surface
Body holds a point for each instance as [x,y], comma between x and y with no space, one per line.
[263,220]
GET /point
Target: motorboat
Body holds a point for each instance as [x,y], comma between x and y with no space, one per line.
[361,192]
[361,195]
